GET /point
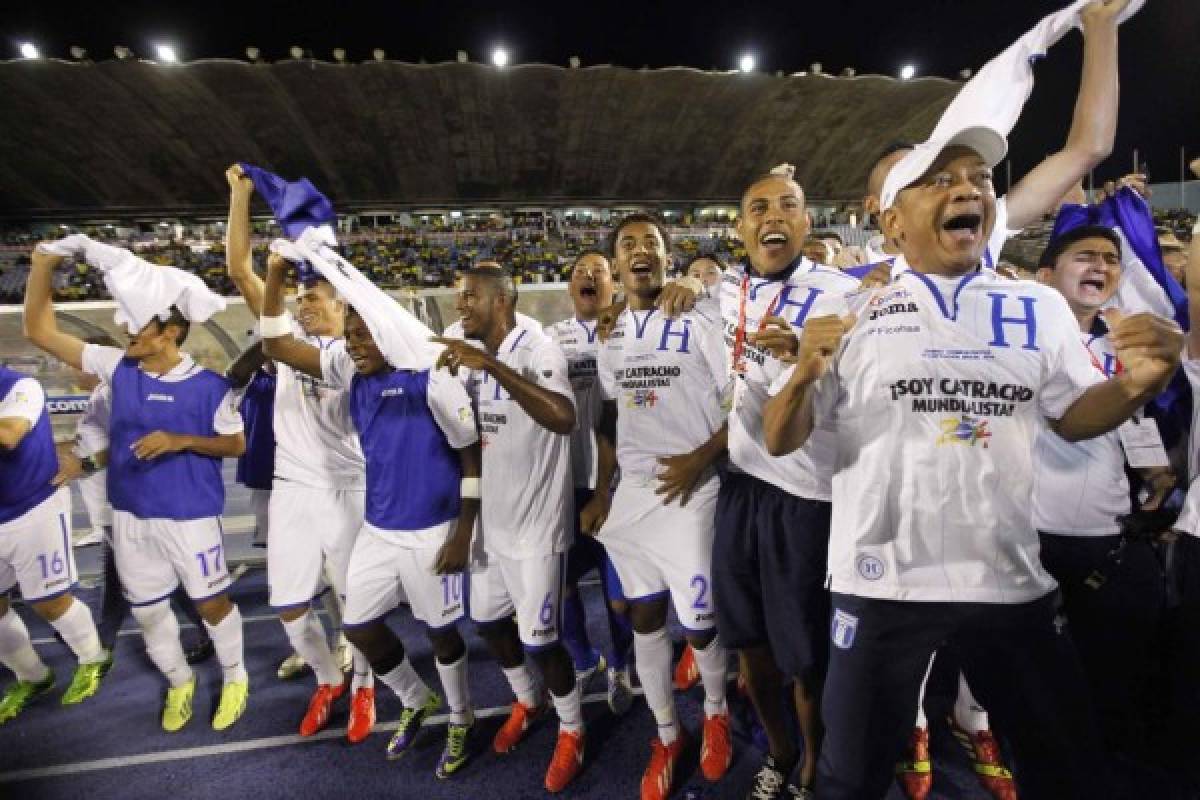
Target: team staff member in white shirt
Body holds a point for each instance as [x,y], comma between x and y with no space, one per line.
[319,486]
[665,384]
[1111,585]
[526,411]
[935,387]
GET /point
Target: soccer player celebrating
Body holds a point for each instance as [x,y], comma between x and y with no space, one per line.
[593,464]
[418,437]
[1112,586]
[525,405]
[35,553]
[664,383]
[317,495]
[172,423]
[935,388]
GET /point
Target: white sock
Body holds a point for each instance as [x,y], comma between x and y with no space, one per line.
[458,693]
[523,685]
[921,721]
[969,715]
[160,630]
[16,649]
[226,637]
[78,630]
[652,651]
[307,638]
[363,678]
[713,663]
[570,710]
[407,684]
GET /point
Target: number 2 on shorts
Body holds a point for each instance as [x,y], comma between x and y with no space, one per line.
[700,584]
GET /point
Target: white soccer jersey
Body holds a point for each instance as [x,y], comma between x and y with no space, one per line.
[936,397]
[315,441]
[524,322]
[745,300]
[1080,488]
[579,343]
[670,379]
[527,502]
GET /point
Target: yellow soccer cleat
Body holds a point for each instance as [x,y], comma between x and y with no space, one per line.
[177,710]
[232,705]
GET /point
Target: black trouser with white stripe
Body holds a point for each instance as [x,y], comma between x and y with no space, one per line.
[1018,661]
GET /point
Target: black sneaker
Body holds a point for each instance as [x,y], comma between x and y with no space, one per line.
[200,651]
[770,782]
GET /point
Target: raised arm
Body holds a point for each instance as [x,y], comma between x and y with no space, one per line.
[41,326]
[1093,127]
[278,342]
[239,261]
[242,370]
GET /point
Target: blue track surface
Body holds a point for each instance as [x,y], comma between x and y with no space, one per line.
[261,758]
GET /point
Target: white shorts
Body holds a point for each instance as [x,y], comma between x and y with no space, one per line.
[155,555]
[312,536]
[659,550]
[531,588]
[385,569]
[35,551]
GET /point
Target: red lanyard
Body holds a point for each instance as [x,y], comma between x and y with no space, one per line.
[739,335]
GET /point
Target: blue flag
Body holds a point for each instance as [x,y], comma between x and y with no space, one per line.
[297,205]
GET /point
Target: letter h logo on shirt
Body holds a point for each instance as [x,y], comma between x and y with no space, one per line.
[999,321]
[684,335]
[804,306]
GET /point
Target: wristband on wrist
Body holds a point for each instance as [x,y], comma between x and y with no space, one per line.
[274,327]
[469,489]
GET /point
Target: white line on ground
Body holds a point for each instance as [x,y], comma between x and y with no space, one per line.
[264,743]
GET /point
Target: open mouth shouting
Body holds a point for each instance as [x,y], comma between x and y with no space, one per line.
[964,230]
[773,242]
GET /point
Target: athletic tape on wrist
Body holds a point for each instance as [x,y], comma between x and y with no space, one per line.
[274,327]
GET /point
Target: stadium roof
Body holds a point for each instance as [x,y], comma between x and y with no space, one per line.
[136,136]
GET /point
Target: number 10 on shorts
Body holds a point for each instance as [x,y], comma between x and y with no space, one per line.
[210,560]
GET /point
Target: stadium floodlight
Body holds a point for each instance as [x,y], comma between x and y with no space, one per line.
[378,54]
[297,52]
[166,53]
[575,62]
[461,57]
[339,55]
[29,50]
[908,72]
[500,57]
[817,68]
[965,74]
[849,72]
[746,63]
[78,53]
[252,53]
[122,52]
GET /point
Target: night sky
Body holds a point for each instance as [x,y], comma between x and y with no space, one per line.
[1160,68]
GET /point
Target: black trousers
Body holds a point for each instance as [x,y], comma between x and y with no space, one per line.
[1019,661]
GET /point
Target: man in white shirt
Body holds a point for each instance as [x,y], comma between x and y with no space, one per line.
[455,329]
[172,423]
[665,384]
[592,461]
[318,492]
[525,405]
[1111,584]
[935,387]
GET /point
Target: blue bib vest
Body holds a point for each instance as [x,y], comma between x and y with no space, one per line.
[178,486]
[413,475]
[26,470]
[256,467]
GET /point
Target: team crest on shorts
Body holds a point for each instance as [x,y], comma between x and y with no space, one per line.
[842,630]
[870,567]
[965,430]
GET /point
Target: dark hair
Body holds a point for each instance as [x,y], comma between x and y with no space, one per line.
[102,339]
[766,176]
[589,252]
[633,219]
[1060,243]
[177,319]
[498,279]
[829,235]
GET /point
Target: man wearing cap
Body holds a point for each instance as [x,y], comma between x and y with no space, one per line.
[935,387]
[172,423]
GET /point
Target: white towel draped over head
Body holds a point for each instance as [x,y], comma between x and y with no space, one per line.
[401,337]
[142,291]
[986,109]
